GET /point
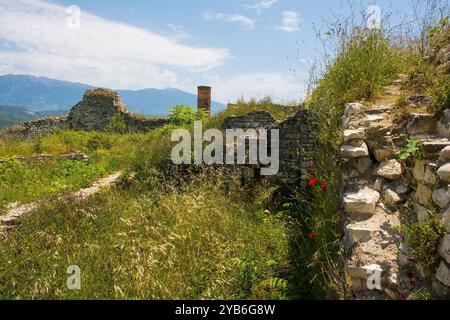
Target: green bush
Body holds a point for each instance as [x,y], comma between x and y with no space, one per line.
[183,115]
[410,151]
[440,93]
[117,124]
[422,240]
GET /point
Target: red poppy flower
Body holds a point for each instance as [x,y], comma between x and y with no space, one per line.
[312,182]
[324,185]
[312,234]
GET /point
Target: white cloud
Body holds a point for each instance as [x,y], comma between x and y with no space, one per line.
[177,32]
[290,23]
[35,39]
[280,87]
[262,5]
[244,21]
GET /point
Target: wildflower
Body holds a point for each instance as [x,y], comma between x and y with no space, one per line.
[312,182]
[308,168]
[323,186]
[312,234]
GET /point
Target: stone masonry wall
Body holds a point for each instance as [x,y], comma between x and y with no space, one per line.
[295,141]
[98,108]
[258,119]
[93,113]
[36,128]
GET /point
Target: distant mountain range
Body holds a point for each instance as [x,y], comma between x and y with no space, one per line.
[37,94]
[10,116]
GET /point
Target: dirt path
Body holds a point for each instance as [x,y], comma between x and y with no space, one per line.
[11,219]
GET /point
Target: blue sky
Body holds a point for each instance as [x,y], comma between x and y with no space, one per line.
[240,47]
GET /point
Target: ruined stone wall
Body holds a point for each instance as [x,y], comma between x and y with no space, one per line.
[99,107]
[257,119]
[93,113]
[296,146]
[295,141]
[36,128]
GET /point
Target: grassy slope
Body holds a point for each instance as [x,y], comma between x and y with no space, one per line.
[200,243]
[25,182]
[143,239]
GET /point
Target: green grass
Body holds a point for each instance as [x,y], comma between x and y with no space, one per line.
[28,181]
[25,183]
[200,242]
[279,112]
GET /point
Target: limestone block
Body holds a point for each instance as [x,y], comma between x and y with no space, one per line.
[363,164]
[441,197]
[444,172]
[382,154]
[391,170]
[352,109]
[364,272]
[362,202]
[444,249]
[422,213]
[446,220]
[432,149]
[419,170]
[355,234]
[443,274]
[445,154]
[401,189]
[391,197]
[430,176]
[348,151]
[423,195]
[420,124]
[357,134]
[378,185]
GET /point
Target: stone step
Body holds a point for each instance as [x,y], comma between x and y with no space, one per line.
[379,109]
[421,123]
[374,256]
[349,152]
[377,228]
[362,202]
[431,148]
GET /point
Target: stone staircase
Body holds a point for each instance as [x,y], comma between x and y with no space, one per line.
[376,186]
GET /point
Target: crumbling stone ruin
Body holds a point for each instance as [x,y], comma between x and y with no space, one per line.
[295,141]
[94,112]
[379,190]
[257,119]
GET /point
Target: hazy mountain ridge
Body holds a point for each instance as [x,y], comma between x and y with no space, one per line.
[45,94]
[10,116]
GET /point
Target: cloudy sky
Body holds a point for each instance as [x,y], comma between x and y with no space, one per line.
[248,48]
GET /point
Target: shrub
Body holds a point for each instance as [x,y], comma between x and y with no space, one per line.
[422,240]
[410,151]
[117,124]
[99,141]
[440,93]
[183,115]
[365,62]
